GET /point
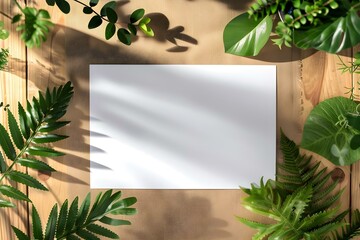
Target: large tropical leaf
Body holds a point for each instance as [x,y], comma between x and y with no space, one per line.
[327,134]
[331,37]
[245,36]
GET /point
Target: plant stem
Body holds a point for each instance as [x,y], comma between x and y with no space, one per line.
[6,15]
[18,5]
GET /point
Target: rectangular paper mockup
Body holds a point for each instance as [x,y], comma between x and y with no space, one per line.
[182,126]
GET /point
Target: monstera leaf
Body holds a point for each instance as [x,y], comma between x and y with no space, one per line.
[333,36]
[245,36]
[327,133]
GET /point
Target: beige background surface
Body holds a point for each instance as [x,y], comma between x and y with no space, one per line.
[187,32]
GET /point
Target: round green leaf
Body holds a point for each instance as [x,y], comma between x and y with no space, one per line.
[355,142]
[63,5]
[111,4]
[16,18]
[50,2]
[132,29]
[112,15]
[93,3]
[110,30]
[244,36]
[124,36]
[87,10]
[137,15]
[95,22]
[322,130]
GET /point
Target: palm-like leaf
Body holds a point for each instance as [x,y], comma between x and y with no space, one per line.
[27,138]
[74,223]
[351,230]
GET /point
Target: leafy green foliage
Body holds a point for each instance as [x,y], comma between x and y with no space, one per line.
[81,223]
[35,27]
[245,36]
[351,230]
[300,201]
[328,25]
[4,54]
[328,133]
[4,34]
[27,137]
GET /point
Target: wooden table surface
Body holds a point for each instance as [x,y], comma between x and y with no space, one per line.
[187,32]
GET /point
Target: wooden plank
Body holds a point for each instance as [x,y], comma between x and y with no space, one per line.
[355,170]
[12,90]
[321,79]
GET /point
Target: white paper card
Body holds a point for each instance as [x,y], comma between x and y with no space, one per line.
[182,126]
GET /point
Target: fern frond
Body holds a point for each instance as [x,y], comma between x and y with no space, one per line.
[74,223]
[26,137]
[351,230]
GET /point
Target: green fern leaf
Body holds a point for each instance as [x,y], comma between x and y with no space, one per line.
[52,126]
[36,223]
[83,211]
[20,234]
[6,143]
[51,224]
[25,179]
[99,230]
[13,193]
[3,165]
[24,127]
[87,235]
[43,152]
[34,164]
[62,219]
[71,219]
[73,237]
[31,121]
[4,203]
[15,131]
[48,138]
[350,231]
[114,222]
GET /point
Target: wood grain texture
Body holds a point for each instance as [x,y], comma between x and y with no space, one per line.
[304,79]
[321,80]
[12,90]
[355,173]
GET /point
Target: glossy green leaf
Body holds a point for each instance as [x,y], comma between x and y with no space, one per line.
[124,211]
[16,18]
[354,121]
[25,129]
[99,230]
[51,126]
[110,30]
[124,203]
[13,193]
[93,3]
[137,15]
[20,234]
[95,22]
[63,5]
[4,203]
[3,165]
[48,138]
[111,4]
[15,131]
[355,142]
[73,211]
[83,211]
[43,152]
[323,129]
[334,36]
[87,10]
[112,15]
[34,164]
[114,222]
[86,235]
[145,28]
[132,29]
[36,224]
[50,2]
[6,143]
[51,224]
[73,237]
[245,36]
[124,36]
[25,179]
[60,228]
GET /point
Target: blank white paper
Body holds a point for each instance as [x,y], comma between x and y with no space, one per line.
[182,126]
